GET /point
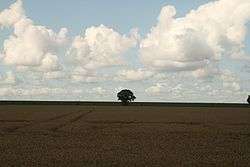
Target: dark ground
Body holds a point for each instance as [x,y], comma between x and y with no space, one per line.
[47,135]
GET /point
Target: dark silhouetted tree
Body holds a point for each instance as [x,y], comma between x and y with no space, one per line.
[248,100]
[126,96]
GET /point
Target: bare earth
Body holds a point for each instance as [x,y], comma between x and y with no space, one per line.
[43,135]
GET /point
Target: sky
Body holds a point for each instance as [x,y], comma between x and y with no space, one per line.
[162,50]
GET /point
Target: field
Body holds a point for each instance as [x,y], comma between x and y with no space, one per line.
[108,134]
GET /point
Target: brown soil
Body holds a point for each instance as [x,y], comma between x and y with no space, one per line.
[47,135]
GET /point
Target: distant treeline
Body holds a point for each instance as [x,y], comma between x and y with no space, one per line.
[160,104]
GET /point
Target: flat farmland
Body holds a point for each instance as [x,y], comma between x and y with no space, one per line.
[108,134]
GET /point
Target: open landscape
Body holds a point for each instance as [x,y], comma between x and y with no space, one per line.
[64,63]
[109,134]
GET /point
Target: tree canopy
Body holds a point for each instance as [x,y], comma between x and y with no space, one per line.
[126,96]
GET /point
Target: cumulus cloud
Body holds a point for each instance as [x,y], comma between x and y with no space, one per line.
[100,47]
[12,15]
[133,75]
[194,44]
[210,70]
[30,45]
[200,38]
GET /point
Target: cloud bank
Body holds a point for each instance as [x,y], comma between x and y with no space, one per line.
[196,44]
[133,75]
[198,40]
[8,79]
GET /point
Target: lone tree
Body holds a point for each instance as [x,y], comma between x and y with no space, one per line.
[248,100]
[126,96]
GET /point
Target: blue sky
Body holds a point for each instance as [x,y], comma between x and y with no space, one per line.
[166,82]
[122,15]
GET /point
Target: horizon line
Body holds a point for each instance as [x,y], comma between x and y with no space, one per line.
[117,103]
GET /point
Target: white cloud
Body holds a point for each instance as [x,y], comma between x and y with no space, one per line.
[224,87]
[230,81]
[9,78]
[133,75]
[31,92]
[100,47]
[55,75]
[198,39]
[99,91]
[211,70]
[43,92]
[12,15]
[193,44]
[155,89]
[88,79]
[40,91]
[31,45]
[50,62]
[80,74]
[5,92]
[246,68]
